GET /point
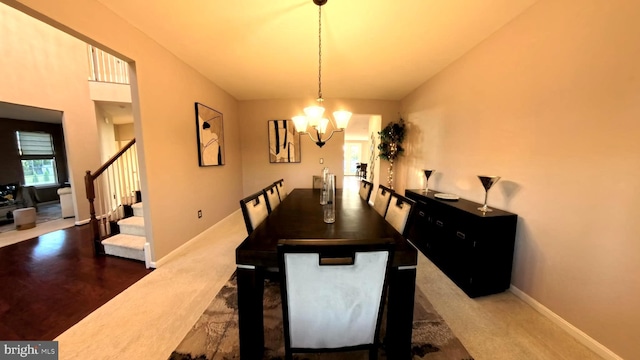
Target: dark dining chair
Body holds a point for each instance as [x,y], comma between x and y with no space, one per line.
[273,198]
[282,191]
[399,212]
[317,182]
[362,171]
[254,210]
[365,189]
[333,293]
[383,197]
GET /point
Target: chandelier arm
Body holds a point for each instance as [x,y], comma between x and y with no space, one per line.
[308,133]
[331,135]
[319,142]
[319,136]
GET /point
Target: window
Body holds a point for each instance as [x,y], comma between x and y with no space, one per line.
[38,158]
[352,156]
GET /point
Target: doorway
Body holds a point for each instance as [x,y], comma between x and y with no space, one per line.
[360,146]
[352,157]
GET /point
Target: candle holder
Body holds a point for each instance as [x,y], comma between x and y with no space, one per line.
[487,183]
[427,174]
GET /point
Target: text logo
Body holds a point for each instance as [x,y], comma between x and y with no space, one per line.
[40,350]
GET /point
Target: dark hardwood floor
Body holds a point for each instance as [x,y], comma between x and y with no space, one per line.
[49,283]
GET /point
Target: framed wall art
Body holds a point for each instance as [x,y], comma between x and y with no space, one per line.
[210,136]
[284,142]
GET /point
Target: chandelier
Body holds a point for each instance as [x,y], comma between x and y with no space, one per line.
[313,115]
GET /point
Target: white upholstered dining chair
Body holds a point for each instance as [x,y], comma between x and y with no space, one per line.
[333,293]
[254,210]
[383,197]
[365,189]
[273,198]
[282,191]
[399,211]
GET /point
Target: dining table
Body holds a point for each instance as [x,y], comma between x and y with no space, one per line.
[300,216]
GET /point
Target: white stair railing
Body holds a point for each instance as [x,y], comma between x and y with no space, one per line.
[109,189]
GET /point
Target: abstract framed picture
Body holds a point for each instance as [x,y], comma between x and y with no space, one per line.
[210,136]
[284,142]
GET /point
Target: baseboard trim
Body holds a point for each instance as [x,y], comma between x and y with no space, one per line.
[167,257]
[147,256]
[578,334]
[86,221]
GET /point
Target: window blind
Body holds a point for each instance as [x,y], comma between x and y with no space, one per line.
[32,143]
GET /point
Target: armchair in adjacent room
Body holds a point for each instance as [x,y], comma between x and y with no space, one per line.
[28,196]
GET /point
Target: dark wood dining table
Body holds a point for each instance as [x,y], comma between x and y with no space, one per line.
[300,216]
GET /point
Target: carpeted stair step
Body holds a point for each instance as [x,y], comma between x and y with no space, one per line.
[126,246]
[132,225]
[137,209]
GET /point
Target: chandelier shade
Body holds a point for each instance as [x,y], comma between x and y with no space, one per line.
[314,112]
[342,118]
[313,115]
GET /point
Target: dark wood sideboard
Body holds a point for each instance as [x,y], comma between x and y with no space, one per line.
[473,249]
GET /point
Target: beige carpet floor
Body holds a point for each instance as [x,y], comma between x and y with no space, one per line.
[152,317]
[215,335]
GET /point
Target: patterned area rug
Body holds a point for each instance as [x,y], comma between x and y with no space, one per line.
[46,212]
[215,334]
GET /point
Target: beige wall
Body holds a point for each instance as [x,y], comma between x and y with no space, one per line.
[550,103]
[107,135]
[60,83]
[124,132]
[164,90]
[258,172]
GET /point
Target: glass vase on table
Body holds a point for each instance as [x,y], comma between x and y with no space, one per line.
[330,207]
[323,190]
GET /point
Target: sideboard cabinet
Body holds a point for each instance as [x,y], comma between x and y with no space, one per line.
[474,249]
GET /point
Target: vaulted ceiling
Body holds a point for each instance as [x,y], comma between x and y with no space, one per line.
[372,49]
[254,49]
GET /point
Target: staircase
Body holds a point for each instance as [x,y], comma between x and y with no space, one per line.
[113,192]
[129,243]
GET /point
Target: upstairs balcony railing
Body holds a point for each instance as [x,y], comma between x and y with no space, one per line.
[105,67]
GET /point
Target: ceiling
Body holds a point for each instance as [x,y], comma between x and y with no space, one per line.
[371,49]
[269,49]
[358,129]
[118,113]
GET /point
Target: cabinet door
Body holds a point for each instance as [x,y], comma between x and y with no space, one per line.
[483,255]
[440,239]
[462,255]
[419,228]
[494,253]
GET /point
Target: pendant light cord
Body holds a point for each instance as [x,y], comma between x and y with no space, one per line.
[320,53]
